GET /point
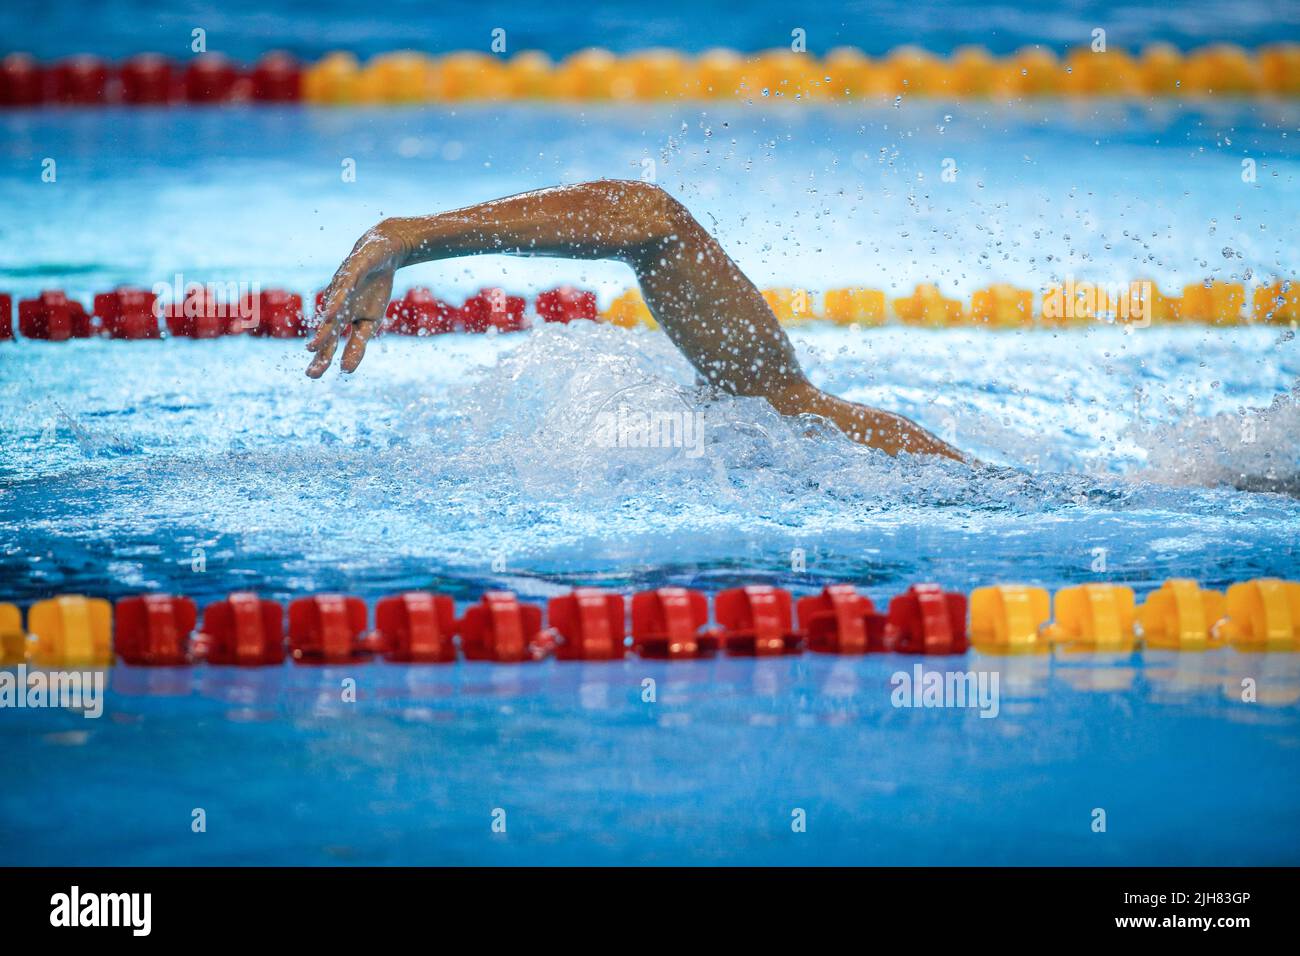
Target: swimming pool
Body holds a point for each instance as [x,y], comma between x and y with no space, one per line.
[245,29]
[466,462]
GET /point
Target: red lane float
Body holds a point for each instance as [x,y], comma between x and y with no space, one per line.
[420,312]
[198,316]
[416,627]
[128,314]
[279,314]
[841,621]
[756,621]
[927,620]
[590,623]
[54,317]
[668,623]
[271,313]
[277,78]
[22,80]
[211,78]
[328,629]
[493,309]
[147,78]
[153,630]
[243,630]
[6,316]
[81,80]
[499,628]
[566,304]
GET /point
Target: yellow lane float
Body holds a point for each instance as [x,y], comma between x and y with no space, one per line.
[1263,615]
[1180,616]
[13,639]
[1007,618]
[71,631]
[1098,617]
[628,311]
[854,306]
[844,74]
[927,306]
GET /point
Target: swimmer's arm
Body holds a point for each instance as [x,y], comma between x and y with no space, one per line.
[632,222]
[705,304]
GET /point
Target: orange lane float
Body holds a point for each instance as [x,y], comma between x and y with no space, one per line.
[1007,619]
[1098,617]
[13,639]
[70,631]
[1262,615]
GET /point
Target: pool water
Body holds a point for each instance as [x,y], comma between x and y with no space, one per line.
[446,458]
[459,463]
[417,770]
[245,29]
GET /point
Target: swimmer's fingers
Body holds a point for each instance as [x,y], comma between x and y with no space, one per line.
[334,313]
[369,304]
[324,355]
[334,318]
[355,350]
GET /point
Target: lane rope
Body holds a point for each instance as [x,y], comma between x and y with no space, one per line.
[842,75]
[1261,615]
[219,309]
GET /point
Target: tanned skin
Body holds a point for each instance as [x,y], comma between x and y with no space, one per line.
[700,298]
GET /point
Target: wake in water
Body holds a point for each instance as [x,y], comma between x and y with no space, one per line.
[447,456]
[585,411]
[1252,449]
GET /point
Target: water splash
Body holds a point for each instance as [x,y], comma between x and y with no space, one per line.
[461,462]
[1254,449]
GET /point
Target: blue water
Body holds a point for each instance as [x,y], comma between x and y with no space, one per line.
[201,467]
[442,457]
[712,772]
[817,196]
[244,29]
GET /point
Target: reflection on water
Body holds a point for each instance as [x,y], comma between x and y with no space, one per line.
[650,761]
[786,685]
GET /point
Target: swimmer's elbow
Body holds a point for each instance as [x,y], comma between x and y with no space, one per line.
[658,213]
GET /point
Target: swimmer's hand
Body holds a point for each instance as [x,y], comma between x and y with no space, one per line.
[357,297]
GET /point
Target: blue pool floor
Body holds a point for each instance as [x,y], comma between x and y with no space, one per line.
[584,770]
